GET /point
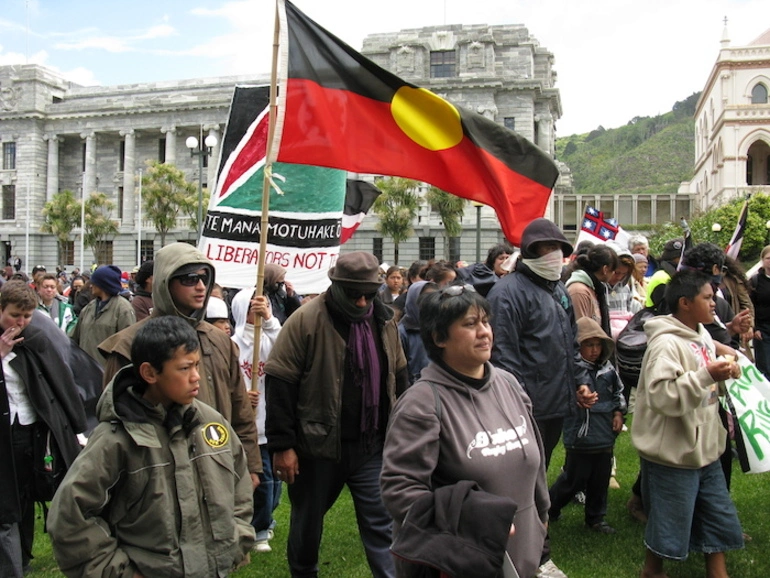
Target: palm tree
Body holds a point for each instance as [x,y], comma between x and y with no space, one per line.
[99,227]
[164,193]
[396,209]
[61,214]
[450,209]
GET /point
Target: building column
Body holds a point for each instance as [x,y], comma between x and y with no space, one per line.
[89,175]
[211,174]
[128,176]
[52,170]
[170,132]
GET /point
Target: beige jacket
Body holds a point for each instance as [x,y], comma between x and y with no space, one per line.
[676,421]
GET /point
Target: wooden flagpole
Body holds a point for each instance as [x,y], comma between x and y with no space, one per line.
[266,184]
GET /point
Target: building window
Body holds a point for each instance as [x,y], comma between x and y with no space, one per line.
[9,156]
[427,248]
[161,150]
[148,250]
[83,164]
[103,252]
[759,94]
[442,64]
[122,156]
[377,248]
[9,202]
[66,253]
[120,202]
[509,122]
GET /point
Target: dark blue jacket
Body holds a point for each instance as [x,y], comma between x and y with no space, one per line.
[535,339]
[597,421]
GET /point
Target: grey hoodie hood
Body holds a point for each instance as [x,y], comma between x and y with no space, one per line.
[168,261]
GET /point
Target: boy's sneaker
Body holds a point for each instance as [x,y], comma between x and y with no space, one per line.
[270,534]
[550,570]
[261,546]
[614,485]
[602,528]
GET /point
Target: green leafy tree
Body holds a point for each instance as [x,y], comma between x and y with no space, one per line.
[450,209]
[702,226]
[60,215]
[165,192]
[396,209]
[99,227]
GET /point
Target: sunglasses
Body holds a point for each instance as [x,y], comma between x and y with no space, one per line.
[192,279]
[455,290]
[356,294]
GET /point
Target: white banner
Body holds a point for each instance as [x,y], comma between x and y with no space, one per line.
[750,395]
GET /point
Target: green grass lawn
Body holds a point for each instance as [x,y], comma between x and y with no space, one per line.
[576,550]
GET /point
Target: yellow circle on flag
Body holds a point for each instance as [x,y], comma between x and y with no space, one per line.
[426,118]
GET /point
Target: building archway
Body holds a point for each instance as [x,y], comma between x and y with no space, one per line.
[758,164]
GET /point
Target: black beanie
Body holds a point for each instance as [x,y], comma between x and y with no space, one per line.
[541,230]
[107,278]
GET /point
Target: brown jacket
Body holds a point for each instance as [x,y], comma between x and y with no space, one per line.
[221,383]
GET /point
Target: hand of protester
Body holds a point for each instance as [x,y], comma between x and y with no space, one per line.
[254,481]
[585,397]
[253,398]
[741,323]
[9,339]
[289,288]
[512,531]
[260,306]
[286,465]
[723,370]
[758,334]
[617,422]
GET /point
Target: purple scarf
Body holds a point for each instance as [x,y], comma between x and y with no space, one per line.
[365,363]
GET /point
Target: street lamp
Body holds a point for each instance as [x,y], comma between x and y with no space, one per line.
[478,229]
[716,227]
[198,150]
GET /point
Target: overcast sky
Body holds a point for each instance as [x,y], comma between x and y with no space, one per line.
[616,59]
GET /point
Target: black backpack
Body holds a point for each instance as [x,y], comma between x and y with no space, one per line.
[630,347]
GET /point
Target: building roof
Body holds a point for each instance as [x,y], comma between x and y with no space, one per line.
[762,40]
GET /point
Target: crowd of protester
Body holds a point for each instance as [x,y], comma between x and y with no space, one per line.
[425,390]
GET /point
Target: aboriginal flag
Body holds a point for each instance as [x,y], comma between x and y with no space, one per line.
[338,109]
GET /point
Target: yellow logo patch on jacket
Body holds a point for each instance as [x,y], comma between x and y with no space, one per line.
[215,434]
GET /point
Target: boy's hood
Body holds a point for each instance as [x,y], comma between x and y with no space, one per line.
[169,260]
[588,328]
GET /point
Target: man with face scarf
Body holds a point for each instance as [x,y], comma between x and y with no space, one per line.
[283,300]
[332,379]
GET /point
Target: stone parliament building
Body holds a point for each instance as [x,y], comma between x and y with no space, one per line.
[59,136]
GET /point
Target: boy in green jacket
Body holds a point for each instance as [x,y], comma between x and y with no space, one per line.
[163,487]
[679,435]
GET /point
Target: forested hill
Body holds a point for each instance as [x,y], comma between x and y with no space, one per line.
[650,155]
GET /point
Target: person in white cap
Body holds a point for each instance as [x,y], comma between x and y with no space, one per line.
[218,315]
